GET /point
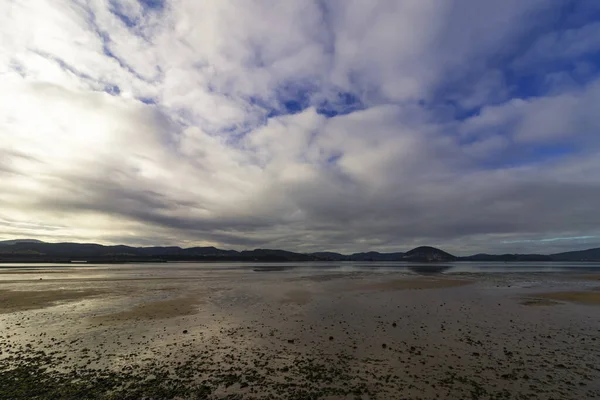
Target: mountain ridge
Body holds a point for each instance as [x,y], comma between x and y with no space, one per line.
[31,250]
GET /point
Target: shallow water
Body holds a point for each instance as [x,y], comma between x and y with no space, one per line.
[195,269]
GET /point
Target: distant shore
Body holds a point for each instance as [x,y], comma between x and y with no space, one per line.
[18,260]
[24,251]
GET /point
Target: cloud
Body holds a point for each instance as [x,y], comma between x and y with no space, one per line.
[339,125]
[561,46]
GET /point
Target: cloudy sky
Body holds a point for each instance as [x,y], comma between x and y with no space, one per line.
[304,125]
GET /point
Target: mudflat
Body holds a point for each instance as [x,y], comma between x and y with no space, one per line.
[584,297]
[190,332]
[411,284]
[158,309]
[21,300]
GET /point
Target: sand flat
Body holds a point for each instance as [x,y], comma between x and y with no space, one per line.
[582,297]
[298,296]
[538,302]
[360,333]
[160,309]
[412,284]
[21,300]
[33,271]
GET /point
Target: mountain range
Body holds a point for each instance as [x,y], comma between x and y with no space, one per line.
[30,250]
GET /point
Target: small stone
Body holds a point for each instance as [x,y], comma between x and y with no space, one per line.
[330,337]
[185,331]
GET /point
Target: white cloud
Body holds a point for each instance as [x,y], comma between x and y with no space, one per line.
[561,46]
[569,116]
[203,122]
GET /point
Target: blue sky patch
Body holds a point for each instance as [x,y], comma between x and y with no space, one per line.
[113,90]
[147,100]
[516,156]
[117,10]
[343,103]
[153,4]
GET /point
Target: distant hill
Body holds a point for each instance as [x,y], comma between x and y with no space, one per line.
[31,250]
[376,256]
[275,255]
[330,256]
[581,255]
[428,254]
[578,255]
[507,257]
[28,251]
[11,242]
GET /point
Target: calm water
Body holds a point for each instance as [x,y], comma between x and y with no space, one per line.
[177,270]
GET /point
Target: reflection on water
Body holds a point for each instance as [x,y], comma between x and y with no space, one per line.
[272,268]
[429,269]
[148,271]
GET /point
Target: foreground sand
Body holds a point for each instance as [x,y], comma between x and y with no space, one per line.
[187,333]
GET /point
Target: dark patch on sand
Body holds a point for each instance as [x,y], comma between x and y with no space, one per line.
[538,302]
[573,297]
[32,271]
[412,284]
[299,297]
[272,268]
[156,310]
[17,300]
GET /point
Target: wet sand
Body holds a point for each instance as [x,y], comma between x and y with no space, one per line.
[298,335]
[21,300]
[411,284]
[587,297]
[155,310]
[539,302]
[299,297]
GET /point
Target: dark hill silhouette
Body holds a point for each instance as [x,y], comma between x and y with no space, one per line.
[11,242]
[581,255]
[428,253]
[508,257]
[376,256]
[30,250]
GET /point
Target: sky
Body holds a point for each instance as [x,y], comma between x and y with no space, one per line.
[342,125]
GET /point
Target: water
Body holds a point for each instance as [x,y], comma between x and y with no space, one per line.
[288,269]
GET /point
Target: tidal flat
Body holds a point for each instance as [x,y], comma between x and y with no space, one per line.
[347,331]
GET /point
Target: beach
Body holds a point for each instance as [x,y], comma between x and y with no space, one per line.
[259,332]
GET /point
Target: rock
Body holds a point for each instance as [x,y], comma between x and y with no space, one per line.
[185,331]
